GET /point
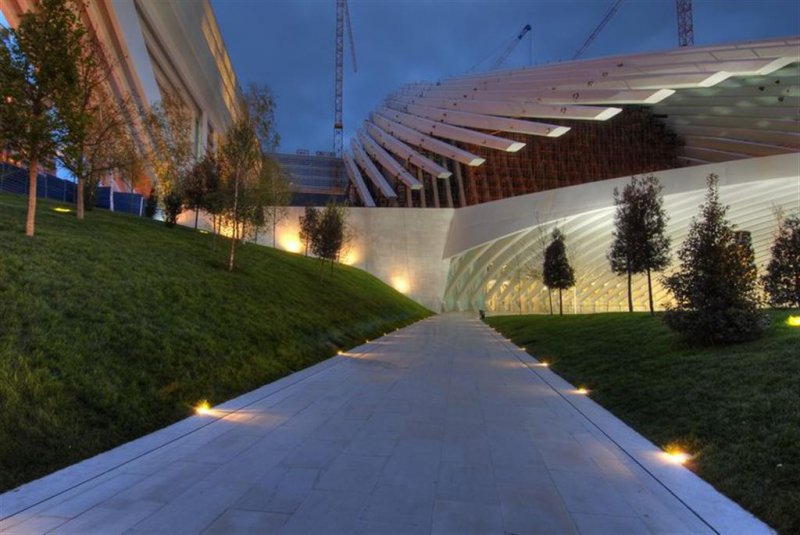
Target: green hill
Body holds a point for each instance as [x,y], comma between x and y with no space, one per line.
[115,326]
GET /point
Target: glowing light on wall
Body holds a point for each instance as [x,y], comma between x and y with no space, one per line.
[400,284]
[793,321]
[350,257]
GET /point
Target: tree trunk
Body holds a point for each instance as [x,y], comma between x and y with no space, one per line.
[630,297]
[235,220]
[79,201]
[550,296]
[273,232]
[31,221]
[196,214]
[560,304]
[650,293]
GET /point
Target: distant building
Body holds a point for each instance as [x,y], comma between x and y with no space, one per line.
[315,179]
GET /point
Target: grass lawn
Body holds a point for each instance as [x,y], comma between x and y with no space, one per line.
[736,408]
[116,326]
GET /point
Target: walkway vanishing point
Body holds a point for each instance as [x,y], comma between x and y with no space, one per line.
[441,427]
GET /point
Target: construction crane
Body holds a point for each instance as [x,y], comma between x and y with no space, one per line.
[510,48]
[685,23]
[342,18]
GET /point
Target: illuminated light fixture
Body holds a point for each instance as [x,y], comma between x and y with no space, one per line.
[203,232]
[340,352]
[582,390]
[202,408]
[545,363]
[793,321]
[62,210]
[677,456]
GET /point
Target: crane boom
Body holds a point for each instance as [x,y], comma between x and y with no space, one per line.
[510,48]
[342,16]
[607,17]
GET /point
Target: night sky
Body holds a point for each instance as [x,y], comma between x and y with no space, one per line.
[289,44]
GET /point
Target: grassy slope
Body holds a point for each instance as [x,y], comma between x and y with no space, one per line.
[116,326]
[737,408]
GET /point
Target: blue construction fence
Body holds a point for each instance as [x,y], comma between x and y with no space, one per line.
[14,179]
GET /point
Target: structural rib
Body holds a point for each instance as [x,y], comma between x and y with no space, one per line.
[397,147]
[451,132]
[358,181]
[390,164]
[483,122]
[420,140]
[372,172]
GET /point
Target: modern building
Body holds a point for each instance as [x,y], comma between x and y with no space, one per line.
[156,48]
[315,179]
[470,174]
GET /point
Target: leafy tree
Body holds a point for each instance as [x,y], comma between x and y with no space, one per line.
[171,153]
[327,241]
[715,285]
[98,136]
[640,244]
[151,206]
[200,185]
[242,157]
[556,272]
[782,280]
[38,68]
[260,106]
[277,194]
[308,226]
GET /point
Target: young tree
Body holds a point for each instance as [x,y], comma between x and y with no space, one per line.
[329,237]
[715,285]
[242,156]
[308,226]
[200,184]
[37,69]
[640,244]
[277,194]
[782,280]
[98,136]
[171,153]
[556,272]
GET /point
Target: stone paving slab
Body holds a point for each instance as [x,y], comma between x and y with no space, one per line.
[441,427]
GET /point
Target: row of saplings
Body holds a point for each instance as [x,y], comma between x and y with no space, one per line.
[716,287]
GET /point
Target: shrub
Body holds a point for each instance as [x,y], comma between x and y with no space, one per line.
[151,206]
[173,206]
[782,280]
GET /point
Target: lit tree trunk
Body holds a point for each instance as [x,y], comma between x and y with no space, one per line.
[273,230]
[560,304]
[31,222]
[196,214]
[630,296]
[235,220]
[79,201]
[650,292]
[550,296]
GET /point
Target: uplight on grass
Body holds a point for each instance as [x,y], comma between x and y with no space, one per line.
[545,363]
[204,407]
[676,455]
[582,390]
[62,210]
[793,321]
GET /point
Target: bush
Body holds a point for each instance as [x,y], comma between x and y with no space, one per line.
[782,280]
[173,206]
[715,285]
[151,206]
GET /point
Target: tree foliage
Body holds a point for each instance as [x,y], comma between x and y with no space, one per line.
[782,280]
[327,241]
[201,184]
[308,226]
[715,284]
[557,272]
[640,244]
[38,68]
[277,194]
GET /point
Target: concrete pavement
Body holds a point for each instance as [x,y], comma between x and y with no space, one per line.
[441,427]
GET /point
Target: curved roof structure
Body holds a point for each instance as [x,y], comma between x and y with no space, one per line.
[481,137]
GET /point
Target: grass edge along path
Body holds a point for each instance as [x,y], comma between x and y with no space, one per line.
[735,408]
[116,326]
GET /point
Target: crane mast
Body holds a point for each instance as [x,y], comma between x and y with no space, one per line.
[685,23]
[510,48]
[342,17]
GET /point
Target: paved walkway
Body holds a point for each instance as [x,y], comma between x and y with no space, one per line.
[441,427]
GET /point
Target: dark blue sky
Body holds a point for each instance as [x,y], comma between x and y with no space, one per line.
[289,44]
